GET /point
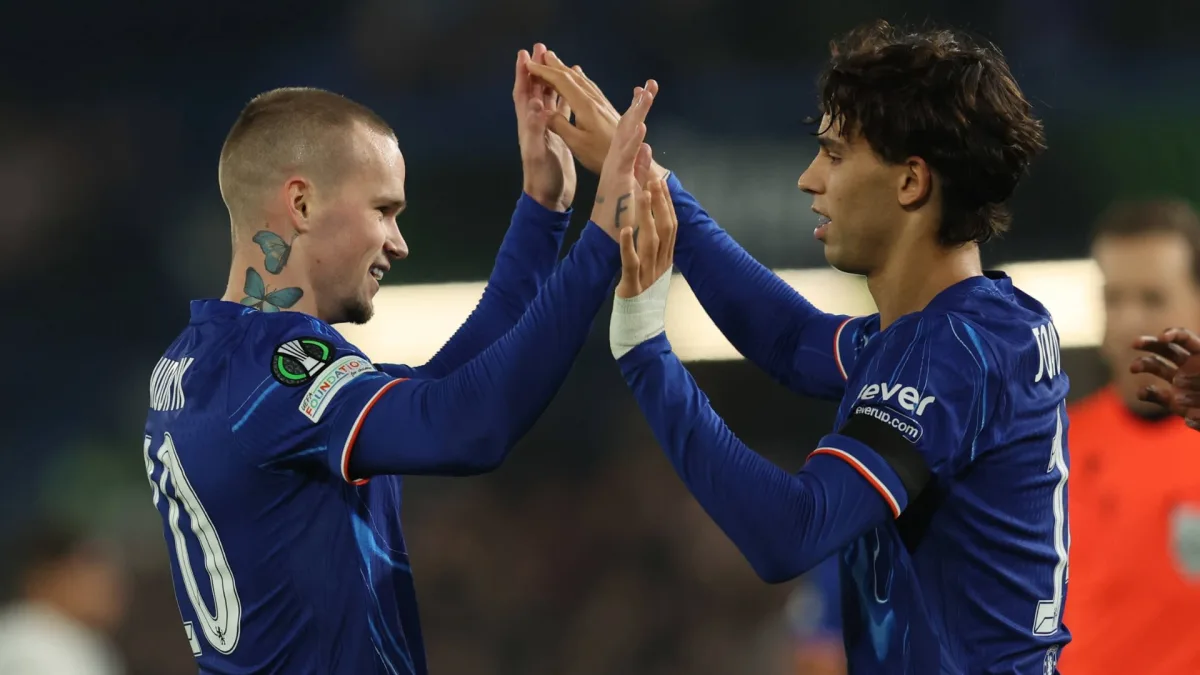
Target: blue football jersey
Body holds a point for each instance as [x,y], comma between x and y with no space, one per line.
[281,563]
[962,403]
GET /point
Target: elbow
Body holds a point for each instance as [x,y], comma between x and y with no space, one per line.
[777,573]
[490,454]
[477,453]
[779,567]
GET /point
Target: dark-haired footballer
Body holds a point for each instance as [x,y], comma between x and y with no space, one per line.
[943,491]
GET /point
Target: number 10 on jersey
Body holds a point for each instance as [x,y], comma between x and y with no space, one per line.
[221,626]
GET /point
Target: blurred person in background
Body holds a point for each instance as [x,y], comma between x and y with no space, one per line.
[815,613]
[1135,485]
[70,598]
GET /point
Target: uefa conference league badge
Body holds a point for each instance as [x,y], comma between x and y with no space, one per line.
[298,361]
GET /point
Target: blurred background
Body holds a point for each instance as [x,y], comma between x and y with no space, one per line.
[583,554]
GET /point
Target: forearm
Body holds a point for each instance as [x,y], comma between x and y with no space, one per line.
[784,524]
[467,421]
[526,258]
[762,316]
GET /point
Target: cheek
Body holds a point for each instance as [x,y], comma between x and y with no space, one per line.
[1183,312]
[853,194]
[1122,323]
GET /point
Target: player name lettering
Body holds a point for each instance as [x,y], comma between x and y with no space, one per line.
[906,397]
[1049,352]
[166,384]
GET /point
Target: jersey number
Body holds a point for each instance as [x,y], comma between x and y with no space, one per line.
[222,625]
[1049,612]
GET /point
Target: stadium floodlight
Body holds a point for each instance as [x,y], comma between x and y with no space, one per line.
[412,321]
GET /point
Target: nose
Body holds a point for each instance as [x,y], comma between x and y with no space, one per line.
[395,246]
[810,181]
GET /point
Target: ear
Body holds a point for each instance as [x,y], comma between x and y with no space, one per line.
[298,193]
[915,183]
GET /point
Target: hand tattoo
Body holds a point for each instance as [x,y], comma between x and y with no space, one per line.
[621,207]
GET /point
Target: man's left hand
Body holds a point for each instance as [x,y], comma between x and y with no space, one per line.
[546,160]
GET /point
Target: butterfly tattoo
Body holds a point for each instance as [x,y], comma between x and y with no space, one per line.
[258,297]
[275,248]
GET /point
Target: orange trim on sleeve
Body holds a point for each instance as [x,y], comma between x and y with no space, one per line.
[865,473]
[362,416]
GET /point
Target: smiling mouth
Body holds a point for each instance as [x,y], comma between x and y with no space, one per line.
[377,272]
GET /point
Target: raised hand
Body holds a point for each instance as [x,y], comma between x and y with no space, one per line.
[618,190]
[654,255]
[640,308]
[1174,357]
[545,158]
[595,117]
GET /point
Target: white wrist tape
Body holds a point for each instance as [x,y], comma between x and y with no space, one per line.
[637,319]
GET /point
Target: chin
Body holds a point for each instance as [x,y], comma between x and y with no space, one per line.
[360,312]
[357,311]
[1128,386]
[840,264]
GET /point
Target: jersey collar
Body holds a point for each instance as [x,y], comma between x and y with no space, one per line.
[212,309]
[990,281]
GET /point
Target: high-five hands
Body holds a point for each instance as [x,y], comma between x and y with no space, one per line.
[546,160]
[1174,357]
[632,195]
[595,117]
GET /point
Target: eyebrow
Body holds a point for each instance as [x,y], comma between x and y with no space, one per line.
[396,205]
[831,144]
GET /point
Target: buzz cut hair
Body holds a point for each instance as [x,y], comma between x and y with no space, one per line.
[287,130]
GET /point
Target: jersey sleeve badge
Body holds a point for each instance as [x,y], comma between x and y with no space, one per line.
[296,362]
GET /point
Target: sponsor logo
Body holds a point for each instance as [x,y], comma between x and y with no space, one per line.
[335,376]
[907,398]
[297,362]
[909,427]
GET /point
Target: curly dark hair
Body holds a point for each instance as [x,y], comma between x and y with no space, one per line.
[942,96]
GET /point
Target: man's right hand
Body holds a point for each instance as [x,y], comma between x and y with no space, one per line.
[618,191]
[590,137]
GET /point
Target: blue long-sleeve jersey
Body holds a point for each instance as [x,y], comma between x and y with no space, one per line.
[943,490]
[274,449]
